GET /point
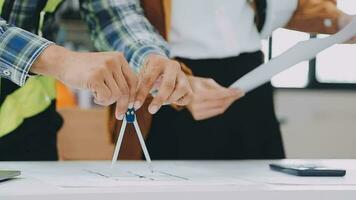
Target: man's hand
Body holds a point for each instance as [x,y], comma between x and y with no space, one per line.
[107,74]
[210,99]
[173,85]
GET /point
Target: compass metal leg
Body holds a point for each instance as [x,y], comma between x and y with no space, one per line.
[118,143]
[143,145]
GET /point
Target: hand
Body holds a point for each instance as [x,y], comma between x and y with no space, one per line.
[173,85]
[344,21]
[210,99]
[107,74]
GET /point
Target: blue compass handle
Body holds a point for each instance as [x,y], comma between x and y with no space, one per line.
[130,115]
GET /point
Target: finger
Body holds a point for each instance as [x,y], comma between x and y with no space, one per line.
[146,82]
[185,100]
[122,105]
[165,89]
[123,100]
[176,95]
[210,89]
[120,110]
[156,85]
[101,93]
[206,114]
[215,103]
[114,89]
[121,82]
[132,80]
[221,92]
[182,93]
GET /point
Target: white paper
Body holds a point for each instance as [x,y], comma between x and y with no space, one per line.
[201,176]
[136,175]
[302,51]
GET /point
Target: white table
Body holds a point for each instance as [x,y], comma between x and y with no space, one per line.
[219,180]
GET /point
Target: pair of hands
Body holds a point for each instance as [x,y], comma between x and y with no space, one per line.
[109,77]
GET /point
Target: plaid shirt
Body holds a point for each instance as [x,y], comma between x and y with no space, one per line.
[115,25]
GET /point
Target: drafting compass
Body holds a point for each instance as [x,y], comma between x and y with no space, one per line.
[130,118]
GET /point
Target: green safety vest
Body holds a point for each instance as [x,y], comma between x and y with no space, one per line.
[34,97]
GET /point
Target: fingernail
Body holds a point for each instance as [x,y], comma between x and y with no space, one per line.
[131,105]
[153,109]
[121,117]
[137,105]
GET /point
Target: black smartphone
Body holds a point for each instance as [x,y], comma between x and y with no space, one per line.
[307,170]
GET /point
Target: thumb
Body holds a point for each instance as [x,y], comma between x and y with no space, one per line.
[236,92]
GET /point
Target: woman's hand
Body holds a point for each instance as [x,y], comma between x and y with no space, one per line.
[210,99]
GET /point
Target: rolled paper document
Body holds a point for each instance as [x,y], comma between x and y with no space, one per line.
[302,51]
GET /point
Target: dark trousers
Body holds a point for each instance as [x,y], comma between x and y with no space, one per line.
[35,139]
[247,130]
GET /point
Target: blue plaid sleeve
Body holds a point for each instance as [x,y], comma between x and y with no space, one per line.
[120,25]
[18,50]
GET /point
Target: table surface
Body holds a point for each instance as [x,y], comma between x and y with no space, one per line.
[205,180]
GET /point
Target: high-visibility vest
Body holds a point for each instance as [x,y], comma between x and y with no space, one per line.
[32,98]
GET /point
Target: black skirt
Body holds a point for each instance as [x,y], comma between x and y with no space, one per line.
[247,130]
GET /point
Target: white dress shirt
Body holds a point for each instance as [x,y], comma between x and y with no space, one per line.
[203,29]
